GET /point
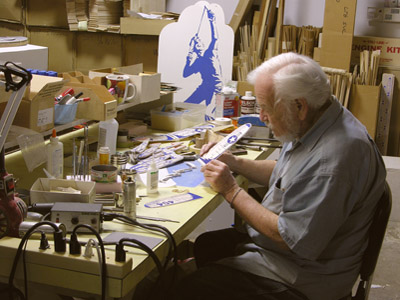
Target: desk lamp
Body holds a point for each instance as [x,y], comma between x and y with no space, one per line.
[12,208]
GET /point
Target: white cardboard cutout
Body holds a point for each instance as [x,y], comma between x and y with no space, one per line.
[196,54]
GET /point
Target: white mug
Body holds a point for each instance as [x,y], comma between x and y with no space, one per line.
[120,87]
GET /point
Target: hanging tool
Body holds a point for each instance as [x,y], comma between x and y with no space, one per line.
[12,209]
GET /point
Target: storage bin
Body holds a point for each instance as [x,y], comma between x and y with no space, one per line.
[177,116]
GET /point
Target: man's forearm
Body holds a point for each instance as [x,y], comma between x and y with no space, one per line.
[258,171]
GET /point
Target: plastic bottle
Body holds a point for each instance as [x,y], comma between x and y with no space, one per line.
[152,178]
[108,132]
[248,103]
[55,156]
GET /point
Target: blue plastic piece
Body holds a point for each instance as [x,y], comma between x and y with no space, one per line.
[253,119]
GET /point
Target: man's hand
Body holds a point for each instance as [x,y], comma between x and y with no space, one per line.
[219,176]
[227,157]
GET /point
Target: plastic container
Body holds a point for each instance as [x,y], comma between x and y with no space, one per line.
[64,114]
[227,104]
[152,178]
[104,155]
[108,132]
[248,103]
[177,116]
[55,156]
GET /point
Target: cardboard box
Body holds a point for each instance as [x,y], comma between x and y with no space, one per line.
[52,13]
[243,86]
[36,110]
[30,56]
[11,10]
[338,30]
[97,50]
[61,44]
[11,29]
[147,83]
[102,105]
[140,49]
[390,49]
[364,105]
[131,25]
[44,190]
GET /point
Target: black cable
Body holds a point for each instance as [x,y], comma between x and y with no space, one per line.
[103,254]
[153,227]
[139,245]
[18,254]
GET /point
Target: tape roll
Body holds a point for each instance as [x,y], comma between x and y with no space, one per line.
[223,121]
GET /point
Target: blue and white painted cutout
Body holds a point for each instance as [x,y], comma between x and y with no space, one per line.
[196,54]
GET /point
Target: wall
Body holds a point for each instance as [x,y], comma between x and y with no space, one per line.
[308,12]
[228,6]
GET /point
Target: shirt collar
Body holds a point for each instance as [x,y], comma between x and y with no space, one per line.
[316,131]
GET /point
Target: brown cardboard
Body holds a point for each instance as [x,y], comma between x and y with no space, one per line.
[337,35]
[97,50]
[243,86]
[364,104]
[11,10]
[390,49]
[11,29]
[140,49]
[52,13]
[36,110]
[102,105]
[147,83]
[61,44]
[131,25]
[44,190]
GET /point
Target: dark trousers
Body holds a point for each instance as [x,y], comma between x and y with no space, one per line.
[214,281]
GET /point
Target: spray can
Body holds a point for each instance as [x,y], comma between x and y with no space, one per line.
[248,103]
[129,192]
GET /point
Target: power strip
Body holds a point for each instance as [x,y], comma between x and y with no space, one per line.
[72,214]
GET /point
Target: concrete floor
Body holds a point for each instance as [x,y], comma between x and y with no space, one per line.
[386,280]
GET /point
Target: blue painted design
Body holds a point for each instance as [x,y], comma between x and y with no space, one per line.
[206,62]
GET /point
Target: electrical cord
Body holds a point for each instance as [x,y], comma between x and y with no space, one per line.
[103,254]
[152,227]
[157,228]
[139,245]
[20,251]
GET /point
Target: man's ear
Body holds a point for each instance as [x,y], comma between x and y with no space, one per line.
[302,108]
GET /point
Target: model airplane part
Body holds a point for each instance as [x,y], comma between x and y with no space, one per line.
[225,144]
[172,200]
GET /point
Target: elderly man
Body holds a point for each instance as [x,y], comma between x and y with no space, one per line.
[306,238]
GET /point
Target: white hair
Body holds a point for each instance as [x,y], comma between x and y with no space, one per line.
[294,76]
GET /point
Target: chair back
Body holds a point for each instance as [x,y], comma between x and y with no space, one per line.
[376,236]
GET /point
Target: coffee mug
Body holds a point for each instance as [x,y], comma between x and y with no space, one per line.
[120,87]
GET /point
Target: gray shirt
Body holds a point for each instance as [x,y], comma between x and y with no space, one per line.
[324,188]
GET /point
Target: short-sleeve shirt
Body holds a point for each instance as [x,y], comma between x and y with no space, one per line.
[325,188]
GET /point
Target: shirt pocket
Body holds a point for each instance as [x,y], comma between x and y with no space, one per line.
[274,200]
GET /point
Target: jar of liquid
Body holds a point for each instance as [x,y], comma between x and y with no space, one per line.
[104,156]
[248,103]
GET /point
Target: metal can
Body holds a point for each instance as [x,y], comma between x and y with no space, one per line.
[129,194]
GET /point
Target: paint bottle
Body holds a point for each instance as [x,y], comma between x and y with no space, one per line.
[55,156]
[248,103]
[108,132]
[152,178]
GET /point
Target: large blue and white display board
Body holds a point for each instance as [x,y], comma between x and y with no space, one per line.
[196,54]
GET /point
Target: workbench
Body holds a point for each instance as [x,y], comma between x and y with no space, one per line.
[76,275]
